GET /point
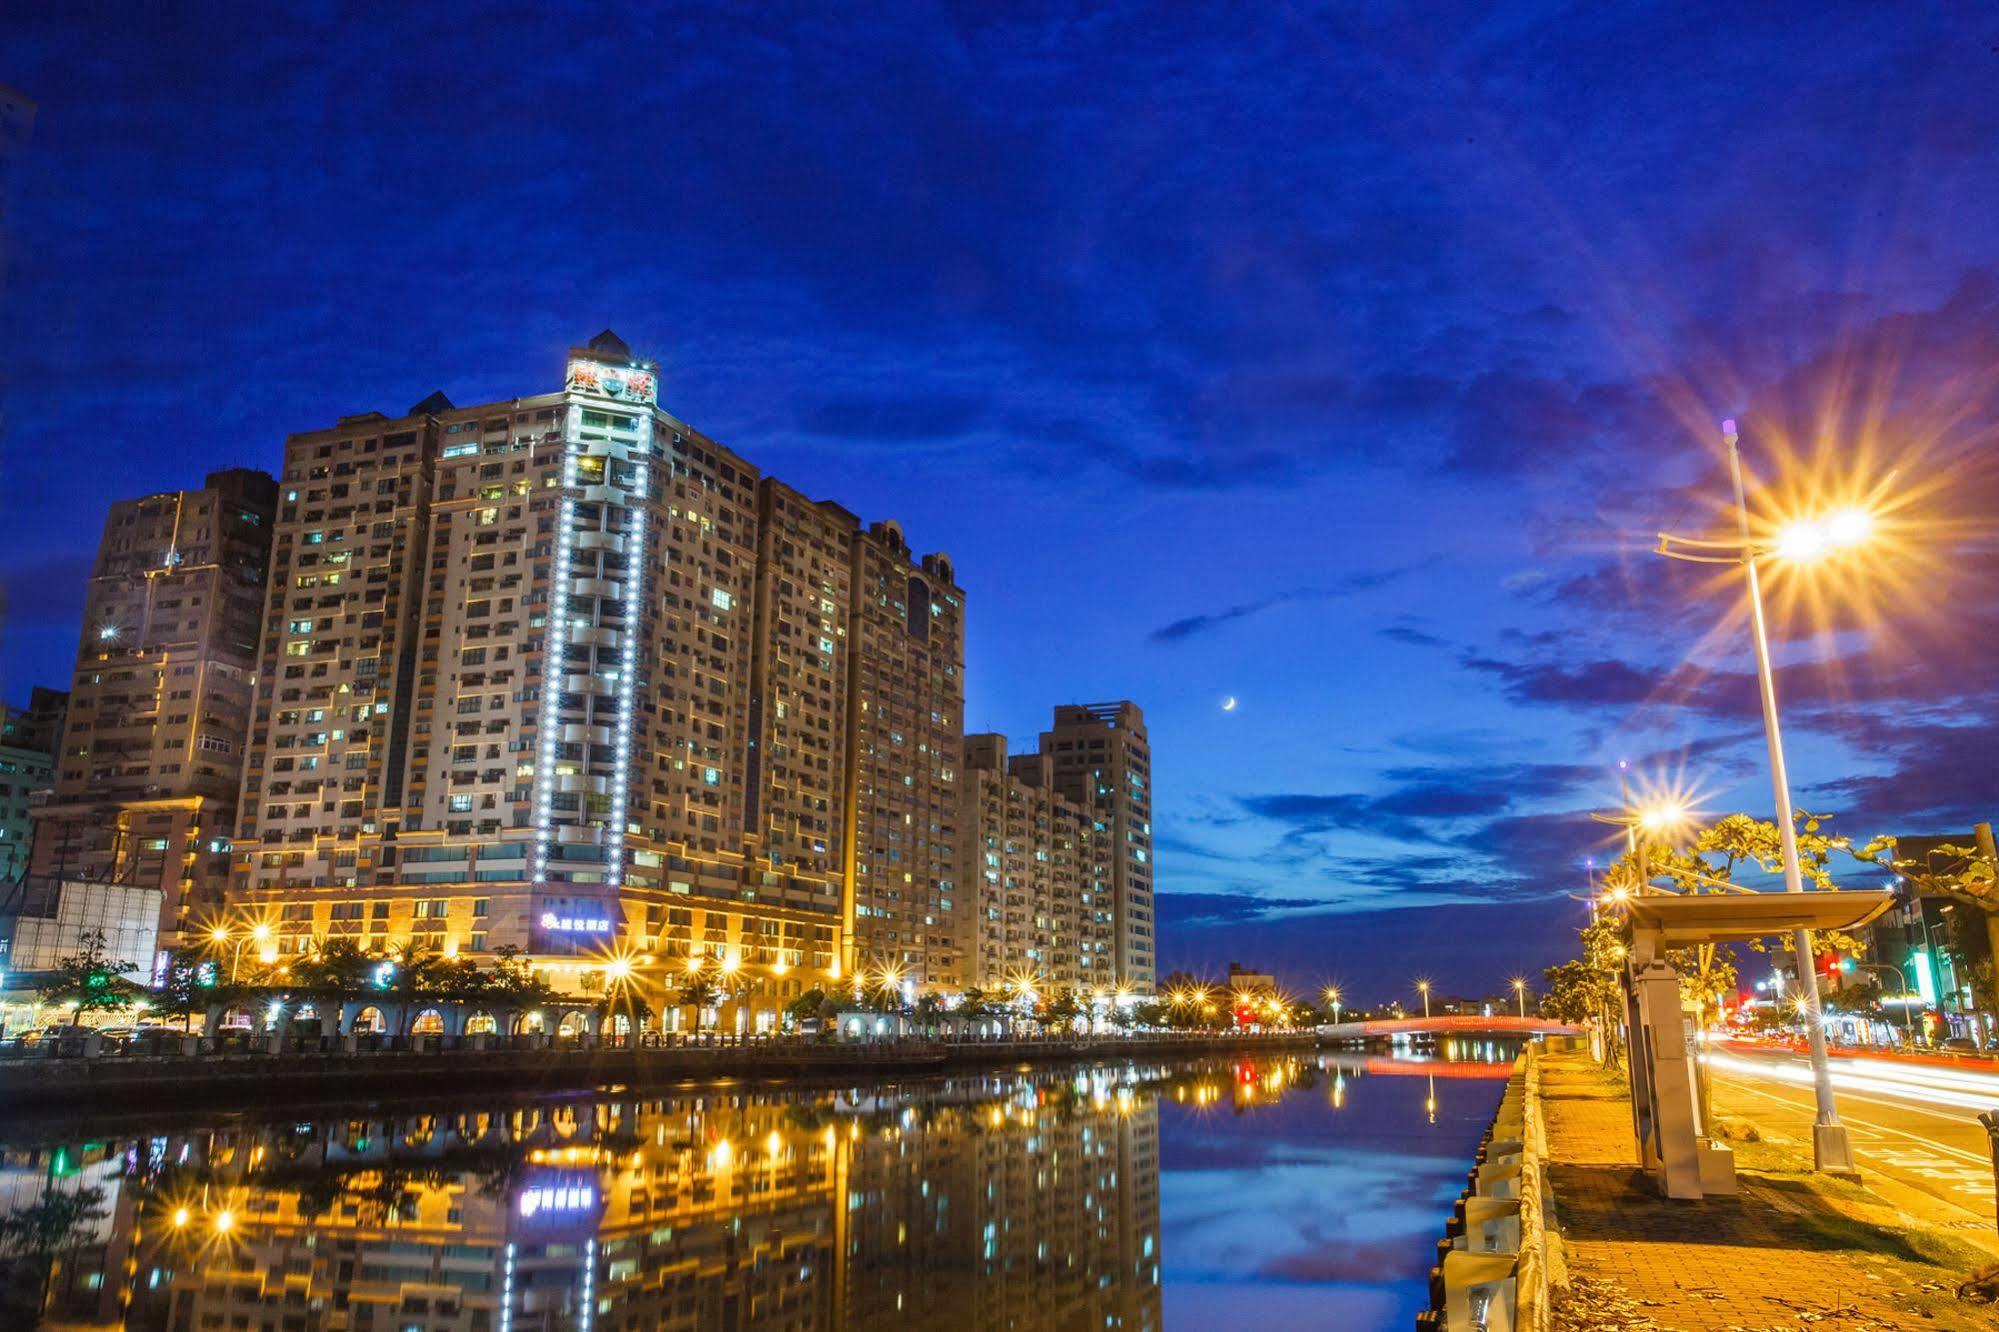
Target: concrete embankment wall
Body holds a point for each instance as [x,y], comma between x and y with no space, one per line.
[1500,1260]
[37,1085]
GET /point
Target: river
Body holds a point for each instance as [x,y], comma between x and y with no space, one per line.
[1297,1191]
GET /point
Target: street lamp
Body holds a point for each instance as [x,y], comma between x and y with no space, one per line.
[1520,995]
[1333,998]
[1800,542]
[1423,987]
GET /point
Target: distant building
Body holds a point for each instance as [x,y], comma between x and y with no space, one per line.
[1098,755]
[159,704]
[1036,874]
[29,738]
[1909,951]
[1241,980]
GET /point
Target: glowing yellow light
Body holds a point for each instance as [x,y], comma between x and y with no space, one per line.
[219,935]
[225,1221]
[780,967]
[1802,542]
[693,966]
[181,1217]
[261,932]
[1848,527]
[1666,814]
[730,963]
[774,1144]
[267,955]
[618,968]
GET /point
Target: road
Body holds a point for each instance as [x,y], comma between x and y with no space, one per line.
[1915,1123]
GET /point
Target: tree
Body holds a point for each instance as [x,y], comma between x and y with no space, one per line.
[55,1224]
[91,981]
[335,968]
[811,1004]
[1059,1009]
[1586,990]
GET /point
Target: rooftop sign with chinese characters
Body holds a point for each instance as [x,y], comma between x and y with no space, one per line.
[635,385]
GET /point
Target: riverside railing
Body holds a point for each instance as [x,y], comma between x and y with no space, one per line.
[1501,1254]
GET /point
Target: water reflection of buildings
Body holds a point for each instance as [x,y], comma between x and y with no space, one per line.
[1002,1202]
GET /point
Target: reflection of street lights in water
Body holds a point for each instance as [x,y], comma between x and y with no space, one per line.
[1430,1101]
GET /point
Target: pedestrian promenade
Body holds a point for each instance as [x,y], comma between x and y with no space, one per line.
[1793,1250]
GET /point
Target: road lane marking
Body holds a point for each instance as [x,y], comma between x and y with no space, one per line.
[1929,1143]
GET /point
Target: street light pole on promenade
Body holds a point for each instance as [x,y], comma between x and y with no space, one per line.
[1832,1151]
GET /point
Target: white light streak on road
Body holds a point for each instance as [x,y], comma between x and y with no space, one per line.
[1922,1083]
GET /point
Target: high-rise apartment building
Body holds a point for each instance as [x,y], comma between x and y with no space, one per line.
[906,723]
[29,738]
[1036,870]
[1097,755]
[564,674]
[153,742]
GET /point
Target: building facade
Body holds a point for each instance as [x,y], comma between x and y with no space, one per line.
[1037,873]
[1098,756]
[562,674]
[153,740]
[29,738]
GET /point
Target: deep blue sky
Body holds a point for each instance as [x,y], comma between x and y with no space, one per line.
[1339,362]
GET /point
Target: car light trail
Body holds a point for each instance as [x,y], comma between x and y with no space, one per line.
[1958,1088]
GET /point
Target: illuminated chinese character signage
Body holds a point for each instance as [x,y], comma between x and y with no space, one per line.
[557,1198]
[634,384]
[575,924]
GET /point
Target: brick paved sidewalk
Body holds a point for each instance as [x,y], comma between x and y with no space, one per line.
[1792,1250]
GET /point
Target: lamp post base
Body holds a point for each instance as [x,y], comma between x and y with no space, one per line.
[1832,1151]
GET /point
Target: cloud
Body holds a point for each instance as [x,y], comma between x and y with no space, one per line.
[1939,776]
[1413,637]
[1193,626]
[1476,945]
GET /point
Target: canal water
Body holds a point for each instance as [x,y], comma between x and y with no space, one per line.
[1298,1191]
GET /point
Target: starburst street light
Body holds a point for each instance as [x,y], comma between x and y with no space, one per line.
[1520,995]
[1423,987]
[1802,541]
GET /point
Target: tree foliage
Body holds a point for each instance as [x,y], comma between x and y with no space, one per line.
[91,981]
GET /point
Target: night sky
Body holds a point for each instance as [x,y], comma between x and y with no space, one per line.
[1339,363]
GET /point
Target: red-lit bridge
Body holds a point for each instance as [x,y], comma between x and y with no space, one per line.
[1449,1024]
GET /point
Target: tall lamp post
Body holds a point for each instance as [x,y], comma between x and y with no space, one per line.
[1831,1149]
[1520,995]
[1333,998]
[1423,986]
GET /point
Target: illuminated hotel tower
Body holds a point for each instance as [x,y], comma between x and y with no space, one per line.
[564,674]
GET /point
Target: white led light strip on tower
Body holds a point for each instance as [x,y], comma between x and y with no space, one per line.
[635,561]
[555,649]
